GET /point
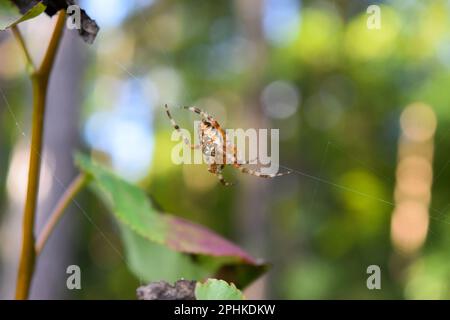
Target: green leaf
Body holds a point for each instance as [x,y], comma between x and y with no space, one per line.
[214,289]
[150,261]
[14,17]
[161,246]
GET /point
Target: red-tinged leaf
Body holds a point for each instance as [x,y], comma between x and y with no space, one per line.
[189,237]
[164,247]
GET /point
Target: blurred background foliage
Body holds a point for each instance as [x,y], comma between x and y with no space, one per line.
[335,88]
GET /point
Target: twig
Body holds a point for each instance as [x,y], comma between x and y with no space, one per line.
[49,58]
[72,190]
[18,35]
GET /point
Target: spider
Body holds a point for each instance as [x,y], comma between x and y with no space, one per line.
[217,151]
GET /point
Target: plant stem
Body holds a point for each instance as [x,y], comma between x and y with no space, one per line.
[39,80]
[72,190]
[49,58]
[21,41]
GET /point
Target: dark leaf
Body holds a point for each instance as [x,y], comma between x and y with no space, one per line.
[161,290]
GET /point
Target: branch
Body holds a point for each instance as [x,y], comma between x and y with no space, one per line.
[49,58]
[39,83]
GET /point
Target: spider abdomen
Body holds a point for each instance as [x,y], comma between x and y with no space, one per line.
[211,141]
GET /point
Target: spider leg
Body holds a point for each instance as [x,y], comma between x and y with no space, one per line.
[257,173]
[202,113]
[217,170]
[177,127]
[248,162]
[233,159]
[222,180]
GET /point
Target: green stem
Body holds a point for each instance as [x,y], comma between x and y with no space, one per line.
[72,190]
[39,80]
[21,42]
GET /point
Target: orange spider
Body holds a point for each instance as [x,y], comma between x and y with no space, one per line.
[215,147]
